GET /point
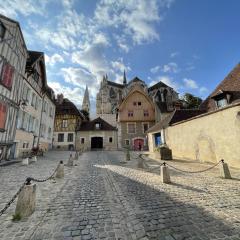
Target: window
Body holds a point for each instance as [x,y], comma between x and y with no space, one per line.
[145,127]
[7,75]
[70,137]
[145,113]
[127,142]
[221,103]
[82,140]
[49,132]
[33,103]
[134,103]
[131,128]
[2,30]
[130,113]
[61,137]
[36,76]
[3,115]
[42,130]
[139,103]
[110,139]
[64,123]
[50,112]
[97,125]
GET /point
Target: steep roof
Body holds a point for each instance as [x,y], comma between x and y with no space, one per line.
[67,107]
[174,117]
[90,126]
[114,84]
[230,85]
[157,85]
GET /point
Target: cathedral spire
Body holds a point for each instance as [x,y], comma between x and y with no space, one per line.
[86,101]
[124,78]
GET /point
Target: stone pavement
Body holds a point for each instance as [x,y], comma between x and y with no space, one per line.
[101,198]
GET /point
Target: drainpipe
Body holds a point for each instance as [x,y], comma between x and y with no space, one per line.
[40,121]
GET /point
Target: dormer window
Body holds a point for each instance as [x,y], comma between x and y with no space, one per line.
[2,31]
[221,103]
[97,125]
[222,98]
[130,113]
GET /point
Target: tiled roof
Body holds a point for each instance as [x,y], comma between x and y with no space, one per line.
[174,117]
[230,84]
[90,126]
[67,107]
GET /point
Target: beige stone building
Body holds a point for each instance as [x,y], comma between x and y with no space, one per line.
[96,134]
[213,133]
[136,114]
[13,55]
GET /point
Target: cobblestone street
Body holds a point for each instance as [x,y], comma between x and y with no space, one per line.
[102,198]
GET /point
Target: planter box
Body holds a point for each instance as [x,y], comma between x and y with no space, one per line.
[165,153]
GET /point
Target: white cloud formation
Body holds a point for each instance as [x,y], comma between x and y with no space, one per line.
[171,67]
[55,58]
[12,8]
[167,80]
[174,54]
[73,94]
[120,66]
[189,83]
[155,69]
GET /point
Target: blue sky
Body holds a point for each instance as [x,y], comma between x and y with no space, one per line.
[189,45]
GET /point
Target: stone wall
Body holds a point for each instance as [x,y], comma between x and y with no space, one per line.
[208,138]
[87,135]
[138,134]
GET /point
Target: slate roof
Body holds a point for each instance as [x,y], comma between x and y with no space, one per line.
[90,126]
[115,84]
[33,56]
[67,107]
[157,85]
[229,85]
[174,117]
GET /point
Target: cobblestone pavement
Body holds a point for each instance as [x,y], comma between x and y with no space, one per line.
[102,198]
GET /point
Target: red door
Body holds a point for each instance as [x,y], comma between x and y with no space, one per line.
[138,144]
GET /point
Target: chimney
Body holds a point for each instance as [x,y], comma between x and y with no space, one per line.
[60,98]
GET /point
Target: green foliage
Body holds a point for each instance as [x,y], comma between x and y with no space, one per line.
[192,101]
[16,217]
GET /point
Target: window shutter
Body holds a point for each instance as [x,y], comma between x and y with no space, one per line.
[3,114]
[7,74]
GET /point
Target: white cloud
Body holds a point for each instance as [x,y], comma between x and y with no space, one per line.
[189,83]
[171,67]
[155,69]
[167,80]
[73,94]
[174,54]
[132,16]
[120,66]
[203,90]
[12,8]
[55,58]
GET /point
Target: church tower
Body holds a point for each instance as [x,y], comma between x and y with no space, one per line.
[86,101]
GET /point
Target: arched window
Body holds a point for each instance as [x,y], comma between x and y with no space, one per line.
[165,92]
[112,93]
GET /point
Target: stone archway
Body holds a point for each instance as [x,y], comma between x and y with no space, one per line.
[96,142]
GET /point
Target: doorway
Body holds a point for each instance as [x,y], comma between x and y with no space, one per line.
[96,142]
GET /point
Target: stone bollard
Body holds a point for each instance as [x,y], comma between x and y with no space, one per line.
[70,161]
[224,170]
[128,156]
[76,155]
[25,161]
[165,176]
[26,201]
[34,159]
[60,170]
[140,163]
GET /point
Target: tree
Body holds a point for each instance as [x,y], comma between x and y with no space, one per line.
[85,113]
[192,102]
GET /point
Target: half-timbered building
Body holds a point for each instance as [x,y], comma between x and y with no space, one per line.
[13,55]
[67,119]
